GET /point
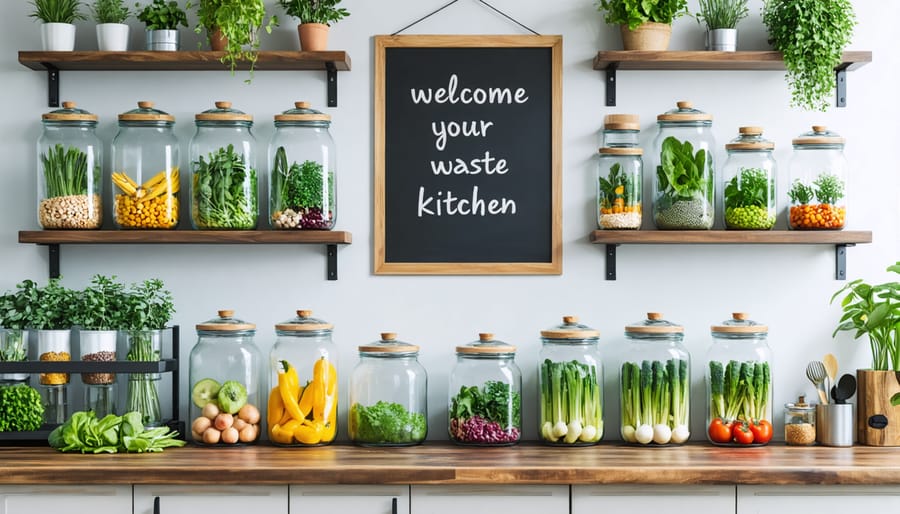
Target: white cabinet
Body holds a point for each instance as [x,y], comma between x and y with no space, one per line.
[652,499]
[186,499]
[71,499]
[357,499]
[518,499]
[818,499]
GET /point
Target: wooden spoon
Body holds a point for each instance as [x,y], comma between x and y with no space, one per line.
[831,369]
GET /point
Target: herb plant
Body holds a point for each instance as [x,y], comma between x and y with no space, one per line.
[829,188]
[571,403]
[302,191]
[100,306]
[386,423]
[489,414]
[748,197]
[224,191]
[721,14]
[53,307]
[811,35]
[162,15]
[110,11]
[57,11]
[21,409]
[314,11]
[65,171]
[801,193]
[636,12]
[239,22]
[655,401]
[84,433]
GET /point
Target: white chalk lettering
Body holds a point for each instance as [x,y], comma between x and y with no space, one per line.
[444,129]
[489,165]
[445,203]
[467,95]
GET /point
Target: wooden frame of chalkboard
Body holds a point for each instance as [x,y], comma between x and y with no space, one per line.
[468,165]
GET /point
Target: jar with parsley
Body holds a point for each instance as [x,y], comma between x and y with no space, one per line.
[818,190]
[749,181]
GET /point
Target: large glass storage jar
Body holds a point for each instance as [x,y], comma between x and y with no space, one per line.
[570,381]
[303,400]
[655,383]
[485,394]
[749,181]
[224,178]
[818,171]
[302,163]
[619,183]
[145,169]
[69,168]
[739,383]
[684,161]
[621,130]
[226,385]
[388,395]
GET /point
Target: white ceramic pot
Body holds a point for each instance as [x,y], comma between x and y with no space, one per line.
[722,40]
[112,37]
[163,40]
[58,37]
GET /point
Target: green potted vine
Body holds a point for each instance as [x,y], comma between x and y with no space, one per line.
[233,27]
[644,25]
[58,28]
[162,19]
[112,31]
[721,18]
[316,16]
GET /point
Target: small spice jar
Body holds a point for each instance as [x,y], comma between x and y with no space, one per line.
[799,423]
[818,171]
[749,181]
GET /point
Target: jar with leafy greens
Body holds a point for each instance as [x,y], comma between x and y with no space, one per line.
[69,161]
[749,181]
[684,183]
[619,182]
[224,176]
[818,190]
[302,159]
[388,391]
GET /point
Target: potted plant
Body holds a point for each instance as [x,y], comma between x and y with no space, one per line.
[721,18]
[58,29]
[316,16]
[644,25]
[99,314]
[874,311]
[112,32]
[233,26]
[15,310]
[162,20]
[811,35]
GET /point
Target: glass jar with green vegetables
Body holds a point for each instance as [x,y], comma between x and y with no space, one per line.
[570,381]
[749,181]
[619,183]
[224,177]
[818,189]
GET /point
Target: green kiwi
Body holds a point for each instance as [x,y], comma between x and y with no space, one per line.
[205,391]
[232,396]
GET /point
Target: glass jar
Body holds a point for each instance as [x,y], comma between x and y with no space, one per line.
[570,373]
[739,383]
[70,164]
[13,348]
[145,164]
[56,346]
[656,365]
[143,390]
[621,130]
[684,160]
[99,387]
[226,382]
[749,181]
[818,171]
[619,183]
[388,395]
[303,160]
[799,423]
[224,176]
[303,373]
[485,394]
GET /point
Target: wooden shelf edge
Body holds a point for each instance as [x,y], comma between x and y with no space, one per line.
[48,237]
[730,237]
[182,60]
[709,60]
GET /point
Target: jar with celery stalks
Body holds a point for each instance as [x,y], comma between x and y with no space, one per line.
[145,164]
[818,171]
[388,392]
[655,383]
[69,167]
[570,381]
[303,380]
[749,181]
[739,383]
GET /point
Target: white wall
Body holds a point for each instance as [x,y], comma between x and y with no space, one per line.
[786,287]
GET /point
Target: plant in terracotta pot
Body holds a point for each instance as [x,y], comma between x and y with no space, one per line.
[58,28]
[112,32]
[316,16]
[721,18]
[232,27]
[644,24]
[162,19]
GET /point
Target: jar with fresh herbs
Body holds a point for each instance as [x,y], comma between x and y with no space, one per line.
[69,167]
[619,183]
[749,181]
[655,383]
[684,164]
[224,177]
[570,381]
[302,161]
[818,189]
[388,395]
[485,394]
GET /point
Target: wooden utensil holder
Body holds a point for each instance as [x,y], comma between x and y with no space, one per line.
[877,421]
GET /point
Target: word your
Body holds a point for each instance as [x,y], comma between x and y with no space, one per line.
[446,204]
[456,129]
[468,95]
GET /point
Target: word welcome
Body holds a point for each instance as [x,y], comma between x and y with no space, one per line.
[468,95]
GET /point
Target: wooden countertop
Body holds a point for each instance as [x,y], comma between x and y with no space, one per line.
[443,463]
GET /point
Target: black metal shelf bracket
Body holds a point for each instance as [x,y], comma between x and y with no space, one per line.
[611,85]
[53,259]
[331,76]
[331,256]
[840,260]
[52,85]
[611,261]
[840,85]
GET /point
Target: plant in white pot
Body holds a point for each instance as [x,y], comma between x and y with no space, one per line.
[112,31]
[51,313]
[316,16]
[162,20]
[721,18]
[58,28]
[15,311]
[644,24]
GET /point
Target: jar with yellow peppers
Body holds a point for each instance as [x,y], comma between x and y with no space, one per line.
[145,164]
[55,346]
[303,399]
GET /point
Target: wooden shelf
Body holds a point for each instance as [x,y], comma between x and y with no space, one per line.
[54,238]
[613,60]
[841,239]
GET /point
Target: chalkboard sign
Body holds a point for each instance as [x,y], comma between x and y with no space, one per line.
[467,154]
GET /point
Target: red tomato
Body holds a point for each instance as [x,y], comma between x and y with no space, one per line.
[762,431]
[741,433]
[719,431]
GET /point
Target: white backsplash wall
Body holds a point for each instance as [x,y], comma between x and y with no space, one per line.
[786,287]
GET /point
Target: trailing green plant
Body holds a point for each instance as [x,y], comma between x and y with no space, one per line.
[110,11]
[57,11]
[162,15]
[239,22]
[314,11]
[811,35]
[681,174]
[636,12]
[101,305]
[224,191]
[721,14]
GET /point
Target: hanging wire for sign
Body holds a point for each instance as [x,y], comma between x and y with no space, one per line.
[451,2]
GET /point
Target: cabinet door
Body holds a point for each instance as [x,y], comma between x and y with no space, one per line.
[518,499]
[361,499]
[652,499]
[818,499]
[71,499]
[185,499]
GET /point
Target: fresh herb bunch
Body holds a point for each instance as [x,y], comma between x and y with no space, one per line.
[314,11]
[162,15]
[84,433]
[636,12]
[386,423]
[751,187]
[655,401]
[57,11]
[681,174]
[147,306]
[494,402]
[721,14]
[801,193]
[617,184]
[239,22]
[65,171]
[571,402]
[101,305]
[811,35]
[16,307]
[299,185]
[53,307]
[21,408]
[110,11]
[829,188]
[224,191]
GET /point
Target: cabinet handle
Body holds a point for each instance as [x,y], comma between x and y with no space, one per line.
[393,506]
[156,505]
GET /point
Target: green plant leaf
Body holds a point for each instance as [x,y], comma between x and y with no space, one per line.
[895,400]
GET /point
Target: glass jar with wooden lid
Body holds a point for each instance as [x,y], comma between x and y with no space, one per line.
[818,190]
[621,130]
[749,181]
[619,184]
